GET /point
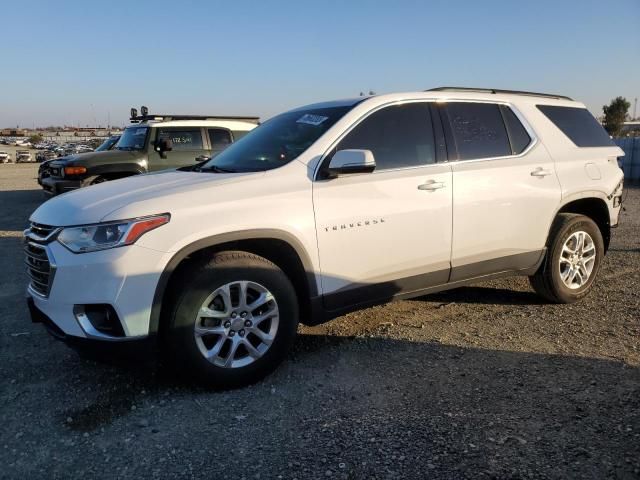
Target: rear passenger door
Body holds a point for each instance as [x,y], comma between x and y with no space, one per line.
[505,189]
[187,144]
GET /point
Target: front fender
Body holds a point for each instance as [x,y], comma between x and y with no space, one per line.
[219,239]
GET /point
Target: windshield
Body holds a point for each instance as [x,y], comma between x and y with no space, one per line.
[133,138]
[107,144]
[277,141]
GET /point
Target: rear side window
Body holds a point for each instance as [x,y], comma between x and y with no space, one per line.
[182,138]
[518,135]
[478,130]
[219,138]
[577,124]
[238,134]
[398,136]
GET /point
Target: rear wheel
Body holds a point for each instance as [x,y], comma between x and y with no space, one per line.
[233,320]
[575,250]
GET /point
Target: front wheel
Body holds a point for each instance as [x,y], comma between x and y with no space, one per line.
[575,251]
[233,319]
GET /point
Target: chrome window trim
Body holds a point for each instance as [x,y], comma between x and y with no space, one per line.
[516,111]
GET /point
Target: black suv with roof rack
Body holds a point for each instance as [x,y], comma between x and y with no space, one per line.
[151,143]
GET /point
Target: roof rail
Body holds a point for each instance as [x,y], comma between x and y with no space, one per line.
[166,117]
[495,90]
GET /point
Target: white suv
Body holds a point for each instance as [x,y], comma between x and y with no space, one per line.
[323,210]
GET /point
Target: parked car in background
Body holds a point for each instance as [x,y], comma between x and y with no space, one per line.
[44,155]
[23,156]
[5,157]
[151,143]
[323,210]
[21,142]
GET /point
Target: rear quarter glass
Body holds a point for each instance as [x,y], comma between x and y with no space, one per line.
[578,125]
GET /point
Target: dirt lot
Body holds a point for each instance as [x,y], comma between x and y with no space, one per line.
[483,381]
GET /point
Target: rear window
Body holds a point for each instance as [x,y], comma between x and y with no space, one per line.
[577,124]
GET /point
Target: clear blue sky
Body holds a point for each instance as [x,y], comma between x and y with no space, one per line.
[73,61]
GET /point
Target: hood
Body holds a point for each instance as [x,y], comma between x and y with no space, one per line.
[135,196]
[109,156]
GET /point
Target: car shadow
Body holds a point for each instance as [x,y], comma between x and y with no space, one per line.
[484,295]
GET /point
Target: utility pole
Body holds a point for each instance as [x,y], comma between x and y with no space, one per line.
[635,105]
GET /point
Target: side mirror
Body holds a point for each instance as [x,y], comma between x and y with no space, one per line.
[352,161]
[164,145]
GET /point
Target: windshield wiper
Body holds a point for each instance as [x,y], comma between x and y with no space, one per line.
[216,169]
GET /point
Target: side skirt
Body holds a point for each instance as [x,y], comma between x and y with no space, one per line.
[358,297]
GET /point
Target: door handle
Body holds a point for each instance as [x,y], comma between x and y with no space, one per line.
[540,172]
[431,185]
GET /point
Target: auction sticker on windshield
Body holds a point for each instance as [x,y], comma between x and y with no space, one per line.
[311,119]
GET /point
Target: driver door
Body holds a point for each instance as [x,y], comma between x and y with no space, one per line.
[388,232]
[187,145]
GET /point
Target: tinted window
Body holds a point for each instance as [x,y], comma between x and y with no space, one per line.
[219,138]
[478,130]
[182,138]
[398,136]
[577,124]
[517,133]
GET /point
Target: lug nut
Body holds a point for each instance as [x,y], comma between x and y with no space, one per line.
[247,323]
[243,314]
[232,333]
[227,324]
[234,315]
[241,332]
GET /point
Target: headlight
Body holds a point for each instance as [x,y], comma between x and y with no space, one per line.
[101,236]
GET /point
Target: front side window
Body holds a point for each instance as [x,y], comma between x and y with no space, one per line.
[182,138]
[277,141]
[478,130]
[133,138]
[398,136]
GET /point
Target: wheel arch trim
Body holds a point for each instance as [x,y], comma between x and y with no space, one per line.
[219,239]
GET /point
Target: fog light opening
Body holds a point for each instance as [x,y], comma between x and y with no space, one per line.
[99,320]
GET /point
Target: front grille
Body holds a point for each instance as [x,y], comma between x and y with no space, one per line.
[38,267]
[41,230]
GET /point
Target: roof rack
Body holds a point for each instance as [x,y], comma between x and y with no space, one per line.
[495,90]
[167,117]
[163,117]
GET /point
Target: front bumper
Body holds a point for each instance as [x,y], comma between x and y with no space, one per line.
[56,186]
[124,278]
[144,347]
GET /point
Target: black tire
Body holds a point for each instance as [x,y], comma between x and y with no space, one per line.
[194,283]
[93,180]
[547,281]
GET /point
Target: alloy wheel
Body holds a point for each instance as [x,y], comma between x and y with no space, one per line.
[237,324]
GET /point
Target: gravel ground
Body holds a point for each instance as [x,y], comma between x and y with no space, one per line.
[482,381]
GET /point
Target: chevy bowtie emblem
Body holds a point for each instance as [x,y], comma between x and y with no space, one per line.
[361,223]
